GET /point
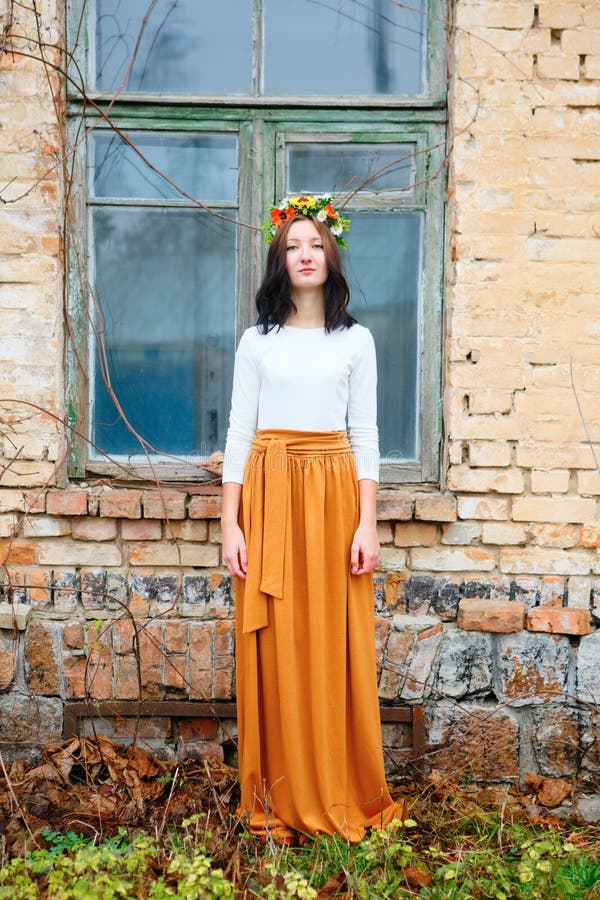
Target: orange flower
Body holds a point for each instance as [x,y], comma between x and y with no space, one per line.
[331,213]
[280,216]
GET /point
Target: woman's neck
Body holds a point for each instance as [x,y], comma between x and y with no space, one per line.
[310,309]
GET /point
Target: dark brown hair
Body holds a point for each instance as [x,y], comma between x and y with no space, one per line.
[273,300]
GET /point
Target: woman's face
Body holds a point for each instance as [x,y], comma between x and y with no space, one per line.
[305,255]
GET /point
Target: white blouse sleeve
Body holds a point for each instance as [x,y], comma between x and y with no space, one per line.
[243,417]
[362,410]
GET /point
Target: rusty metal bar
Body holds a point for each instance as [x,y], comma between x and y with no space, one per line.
[205,709]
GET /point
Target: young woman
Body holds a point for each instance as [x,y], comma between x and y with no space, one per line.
[299,535]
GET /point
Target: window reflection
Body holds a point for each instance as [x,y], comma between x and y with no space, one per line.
[165,285]
[203,165]
[341,167]
[184,46]
[354,47]
[383,266]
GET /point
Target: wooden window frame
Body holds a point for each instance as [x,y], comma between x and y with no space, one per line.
[258,121]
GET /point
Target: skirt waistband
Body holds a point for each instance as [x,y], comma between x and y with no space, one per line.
[300,442]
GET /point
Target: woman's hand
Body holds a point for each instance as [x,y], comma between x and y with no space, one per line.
[234,549]
[364,553]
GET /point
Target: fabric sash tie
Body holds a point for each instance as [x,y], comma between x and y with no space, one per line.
[275,447]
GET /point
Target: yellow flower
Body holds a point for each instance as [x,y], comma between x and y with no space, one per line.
[303,201]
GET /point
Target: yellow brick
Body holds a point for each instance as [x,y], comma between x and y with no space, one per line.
[501,481]
[546,509]
[539,561]
[385,533]
[452,559]
[576,456]
[588,482]
[553,482]
[495,15]
[558,66]
[489,400]
[559,15]
[546,535]
[483,508]
[489,453]
[503,533]
[591,68]
[584,40]
[591,14]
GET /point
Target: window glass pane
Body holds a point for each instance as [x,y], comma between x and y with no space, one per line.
[383,265]
[333,48]
[337,167]
[185,46]
[165,284]
[204,165]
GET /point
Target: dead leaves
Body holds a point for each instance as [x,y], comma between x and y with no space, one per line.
[94,786]
[550,791]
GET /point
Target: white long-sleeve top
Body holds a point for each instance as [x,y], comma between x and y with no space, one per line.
[304,379]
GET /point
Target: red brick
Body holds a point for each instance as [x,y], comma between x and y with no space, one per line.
[208,507]
[91,529]
[559,621]
[122,636]
[99,674]
[176,636]
[74,668]
[476,614]
[35,501]
[74,635]
[126,680]
[151,659]
[394,505]
[198,729]
[435,508]
[224,634]
[201,661]
[67,503]
[590,536]
[17,553]
[415,534]
[382,627]
[122,504]
[164,505]
[175,672]
[224,678]
[132,530]
[38,586]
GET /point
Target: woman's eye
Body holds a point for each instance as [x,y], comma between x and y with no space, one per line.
[292,247]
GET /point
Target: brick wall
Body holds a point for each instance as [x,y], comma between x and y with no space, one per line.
[488,594]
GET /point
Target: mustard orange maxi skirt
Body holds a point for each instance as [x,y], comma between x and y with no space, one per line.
[310,747]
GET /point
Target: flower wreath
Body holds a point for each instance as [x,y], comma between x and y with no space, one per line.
[318,206]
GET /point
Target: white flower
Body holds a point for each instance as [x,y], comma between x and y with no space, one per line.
[284,203]
[337,230]
[321,215]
